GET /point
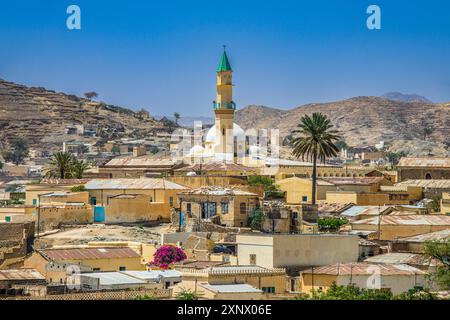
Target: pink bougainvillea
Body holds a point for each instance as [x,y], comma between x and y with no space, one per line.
[165,256]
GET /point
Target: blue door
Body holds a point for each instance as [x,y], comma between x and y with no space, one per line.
[99,214]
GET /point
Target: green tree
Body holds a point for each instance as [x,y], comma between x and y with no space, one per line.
[61,163]
[331,223]
[80,188]
[18,151]
[316,142]
[341,144]
[270,189]
[90,95]
[256,219]
[177,117]
[187,294]
[440,250]
[77,168]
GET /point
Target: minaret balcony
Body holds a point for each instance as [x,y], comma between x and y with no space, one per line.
[225,105]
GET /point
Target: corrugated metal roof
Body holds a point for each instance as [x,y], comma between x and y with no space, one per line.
[135,184]
[365,210]
[153,275]
[89,253]
[411,219]
[231,288]
[434,162]
[114,278]
[362,268]
[432,184]
[21,274]
[64,181]
[218,191]
[144,161]
[216,166]
[438,235]
[401,258]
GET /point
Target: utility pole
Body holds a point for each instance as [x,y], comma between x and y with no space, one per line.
[39,216]
[379,223]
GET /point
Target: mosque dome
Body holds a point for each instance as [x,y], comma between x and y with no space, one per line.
[237,132]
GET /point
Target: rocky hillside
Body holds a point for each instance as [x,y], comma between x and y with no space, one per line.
[361,120]
[397,96]
[42,116]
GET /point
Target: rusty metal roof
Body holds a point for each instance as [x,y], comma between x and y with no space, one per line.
[216,166]
[362,268]
[438,235]
[144,161]
[424,183]
[21,274]
[89,253]
[427,162]
[409,219]
[218,191]
[401,258]
[64,181]
[135,184]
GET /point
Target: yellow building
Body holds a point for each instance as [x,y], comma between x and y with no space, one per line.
[445,203]
[392,227]
[96,259]
[296,250]
[397,278]
[225,206]
[298,190]
[33,191]
[133,200]
[238,280]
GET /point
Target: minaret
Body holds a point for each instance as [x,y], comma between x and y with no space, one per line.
[224,108]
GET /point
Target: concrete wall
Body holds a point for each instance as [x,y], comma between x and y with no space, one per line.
[391,232]
[302,250]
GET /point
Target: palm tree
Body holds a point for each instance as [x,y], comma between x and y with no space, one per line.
[177,117]
[61,163]
[78,167]
[316,142]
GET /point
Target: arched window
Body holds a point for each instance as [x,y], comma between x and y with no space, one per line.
[428,176]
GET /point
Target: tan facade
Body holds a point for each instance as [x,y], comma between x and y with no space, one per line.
[423,168]
[231,210]
[445,203]
[299,250]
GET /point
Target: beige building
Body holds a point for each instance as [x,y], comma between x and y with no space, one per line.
[225,206]
[233,282]
[296,250]
[397,278]
[415,244]
[46,186]
[445,203]
[298,190]
[133,200]
[136,167]
[423,168]
[53,263]
[392,227]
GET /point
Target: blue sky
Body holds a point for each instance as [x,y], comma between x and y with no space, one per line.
[162,55]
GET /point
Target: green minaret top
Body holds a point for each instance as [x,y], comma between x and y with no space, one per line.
[224,64]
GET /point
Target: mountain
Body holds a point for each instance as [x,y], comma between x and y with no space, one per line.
[359,120]
[42,116]
[397,96]
[188,121]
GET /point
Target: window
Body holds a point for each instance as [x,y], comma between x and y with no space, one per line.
[188,208]
[253,259]
[93,201]
[243,208]
[122,268]
[171,201]
[34,202]
[268,289]
[304,198]
[151,199]
[95,269]
[428,176]
[224,207]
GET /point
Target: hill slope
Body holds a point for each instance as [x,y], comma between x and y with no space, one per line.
[397,96]
[359,120]
[42,115]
